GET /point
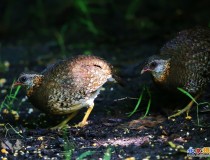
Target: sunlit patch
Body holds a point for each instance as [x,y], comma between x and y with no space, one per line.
[137,141]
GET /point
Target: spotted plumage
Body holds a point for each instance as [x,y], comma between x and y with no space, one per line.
[185,62]
[68,85]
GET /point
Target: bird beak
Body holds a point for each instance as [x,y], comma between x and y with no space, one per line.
[145,69]
[16,84]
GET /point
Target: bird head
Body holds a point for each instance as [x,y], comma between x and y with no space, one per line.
[158,67]
[28,80]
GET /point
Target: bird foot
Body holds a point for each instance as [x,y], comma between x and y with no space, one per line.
[59,126]
[64,124]
[81,124]
[179,112]
[186,109]
[188,117]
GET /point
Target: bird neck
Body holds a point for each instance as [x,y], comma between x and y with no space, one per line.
[162,77]
[37,80]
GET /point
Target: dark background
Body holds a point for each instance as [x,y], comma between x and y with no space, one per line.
[36,33]
[98,21]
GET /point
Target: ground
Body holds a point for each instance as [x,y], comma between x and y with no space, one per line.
[110,133]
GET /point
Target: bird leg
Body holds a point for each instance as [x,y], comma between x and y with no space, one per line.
[63,123]
[186,109]
[84,121]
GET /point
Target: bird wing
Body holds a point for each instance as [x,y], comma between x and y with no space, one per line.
[189,52]
[88,77]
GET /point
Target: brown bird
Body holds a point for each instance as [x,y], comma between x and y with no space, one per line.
[183,62]
[67,86]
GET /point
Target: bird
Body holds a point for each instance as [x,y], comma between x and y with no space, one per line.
[67,86]
[183,62]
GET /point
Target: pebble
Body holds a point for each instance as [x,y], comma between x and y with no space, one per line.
[2,82]
[4,151]
[40,138]
[30,110]
[130,158]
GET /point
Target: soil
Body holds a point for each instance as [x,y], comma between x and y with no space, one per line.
[25,131]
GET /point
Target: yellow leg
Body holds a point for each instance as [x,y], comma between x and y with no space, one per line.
[84,121]
[63,123]
[186,109]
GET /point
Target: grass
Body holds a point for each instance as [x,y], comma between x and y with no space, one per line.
[85,155]
[83,7]
[194,100]
[145,89]
[139,102]
[69,151]
[69,148]
[11,127]
[108,154]
[148,104]
[8,101]
[187,94]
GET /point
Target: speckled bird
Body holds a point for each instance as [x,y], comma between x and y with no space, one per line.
[183,62]
[67,86]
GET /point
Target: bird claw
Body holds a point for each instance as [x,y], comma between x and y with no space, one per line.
[174,115]
[188,117]
[81,124]
[179,113]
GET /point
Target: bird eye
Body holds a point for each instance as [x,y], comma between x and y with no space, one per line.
[153,64]
[22,79]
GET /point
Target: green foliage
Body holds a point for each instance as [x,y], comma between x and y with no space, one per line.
[187,94]
[148,104]
[68,146]
[10,98]
[69,149]
[87,52]
[194,100]
[96,17]
[140,100]
[85,155]
[82,5]
[138,103]
[11,127]
[108,154]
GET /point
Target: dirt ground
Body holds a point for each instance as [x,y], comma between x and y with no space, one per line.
[110,134]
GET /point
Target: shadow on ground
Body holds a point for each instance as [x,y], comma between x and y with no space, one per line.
[111,133]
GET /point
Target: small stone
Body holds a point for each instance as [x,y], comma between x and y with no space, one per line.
[40,138]
[2,81]
[4,151]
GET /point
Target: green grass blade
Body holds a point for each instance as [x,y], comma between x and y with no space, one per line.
[82,5]
[2,104]
[107,155]
[188,94]
[148,105]
[198,119]
[202,103]
[138,103]
[68,154]
[85,154]
[9,99]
